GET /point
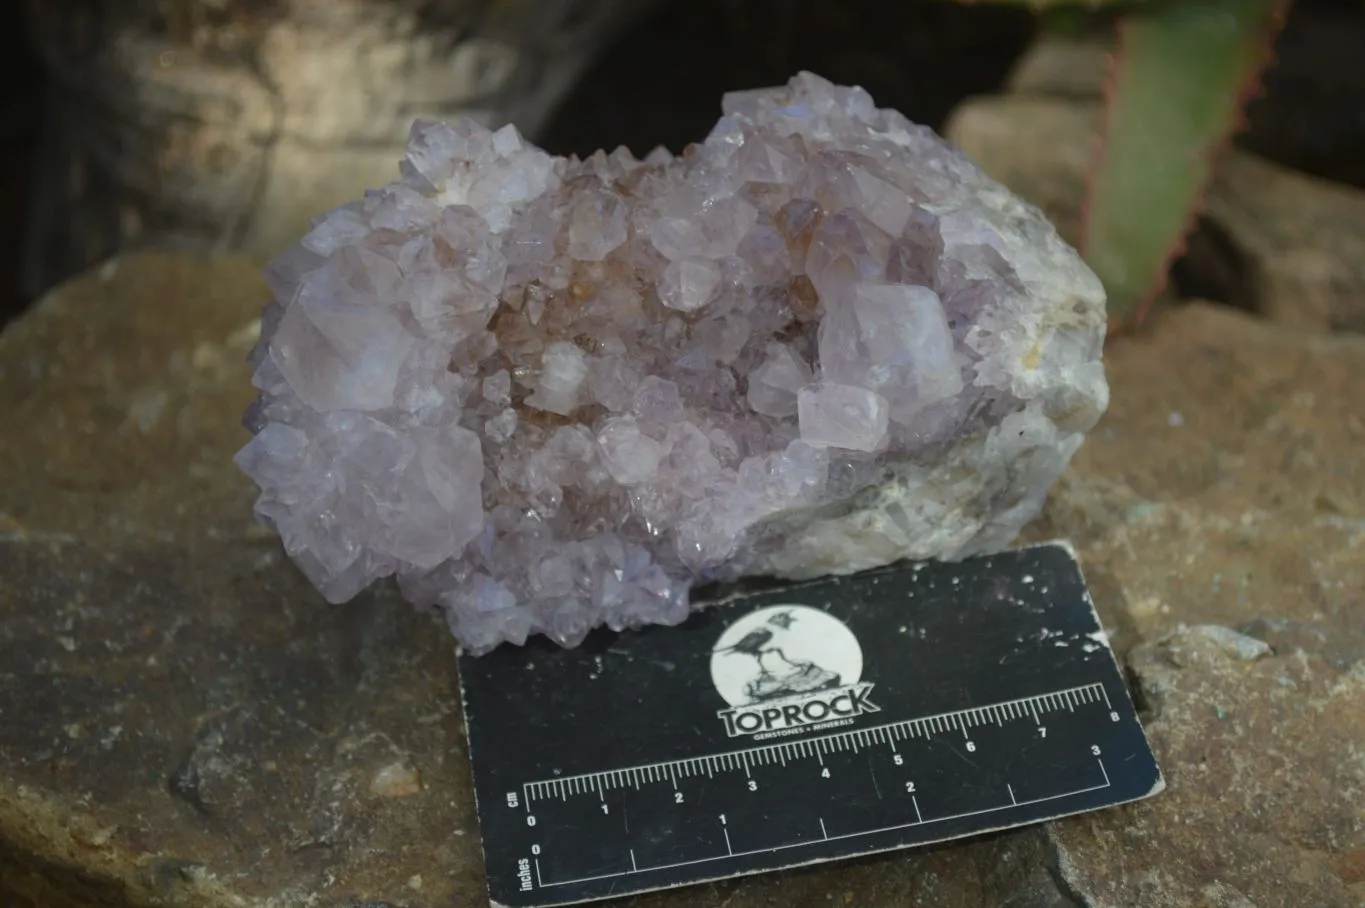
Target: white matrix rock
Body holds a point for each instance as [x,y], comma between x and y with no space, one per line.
[550,394]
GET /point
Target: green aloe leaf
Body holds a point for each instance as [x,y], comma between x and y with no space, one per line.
[1181,77]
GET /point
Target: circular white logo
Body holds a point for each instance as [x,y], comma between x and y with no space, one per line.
[784,651]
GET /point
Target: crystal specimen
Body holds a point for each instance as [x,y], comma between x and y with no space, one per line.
[549,394]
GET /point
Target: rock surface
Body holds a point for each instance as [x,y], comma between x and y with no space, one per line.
[184,722]
[1253,816]
[550,394]
[1280,243]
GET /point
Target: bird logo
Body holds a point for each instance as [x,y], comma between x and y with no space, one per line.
[779,675]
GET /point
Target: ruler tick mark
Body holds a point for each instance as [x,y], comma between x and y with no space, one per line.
[1013,800]
[728,848]
[923,727]
[822,828]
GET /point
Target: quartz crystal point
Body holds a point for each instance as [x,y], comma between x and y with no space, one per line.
[550,394]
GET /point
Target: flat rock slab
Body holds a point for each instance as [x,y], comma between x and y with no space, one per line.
[184,722]
[1254,815]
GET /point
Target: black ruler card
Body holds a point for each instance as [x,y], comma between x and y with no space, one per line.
[815,721]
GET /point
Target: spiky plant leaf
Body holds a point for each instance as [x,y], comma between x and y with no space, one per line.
[1180,78]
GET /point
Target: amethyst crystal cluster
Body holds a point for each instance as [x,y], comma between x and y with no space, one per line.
[549,394]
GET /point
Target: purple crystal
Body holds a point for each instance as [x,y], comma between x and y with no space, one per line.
[551,394]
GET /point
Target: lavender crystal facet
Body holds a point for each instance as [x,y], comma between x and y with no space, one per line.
[550,394]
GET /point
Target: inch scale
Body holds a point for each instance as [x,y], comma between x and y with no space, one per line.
[557,799]
[565,819]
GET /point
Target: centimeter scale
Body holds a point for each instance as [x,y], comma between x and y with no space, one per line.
[815,721]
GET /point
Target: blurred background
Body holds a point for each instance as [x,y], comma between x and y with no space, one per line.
[182,723]
[224,125]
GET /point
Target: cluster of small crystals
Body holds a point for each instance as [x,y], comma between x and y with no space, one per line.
[550,394]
